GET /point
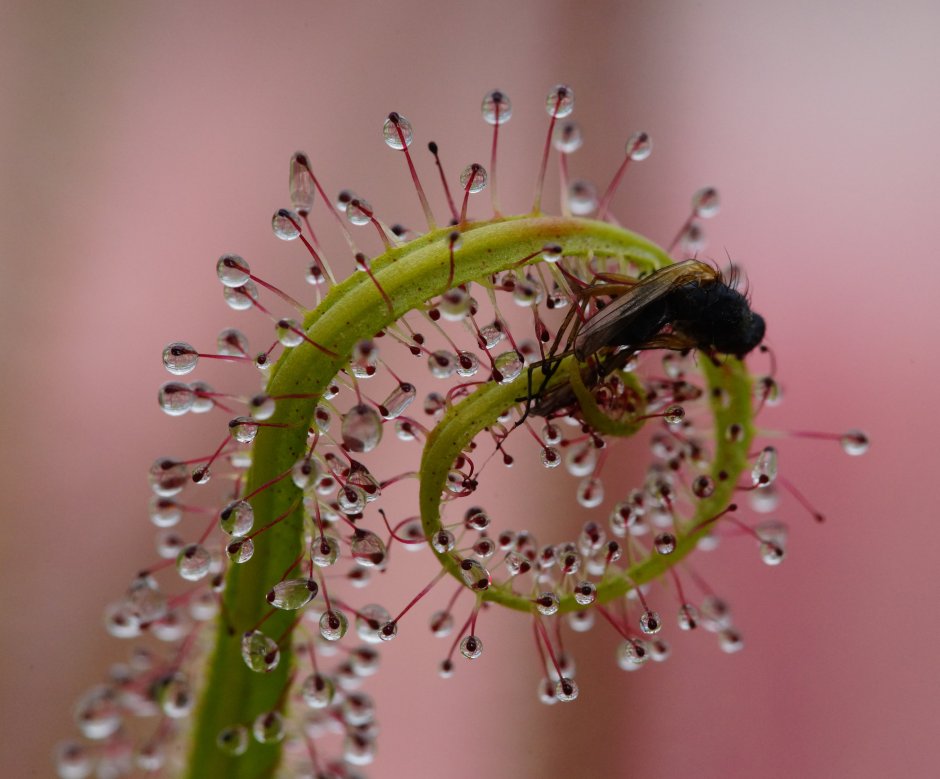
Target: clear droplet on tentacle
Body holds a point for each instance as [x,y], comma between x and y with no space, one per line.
[73,761]
[715,614]
[441,623]
[193,562]
[566,689]
[442,364]
[285,224]
[581,460]
[300,184]
[98,713]
[706,203]
[233,740]
[324,551]
[665,543]
[397,131]
[547,603]
[232,343]
[475,575]
[202,400]
[361,428]
[703,486]
[854,443]
[179,358]
[567,138]
[240,551]
[399,399]
[358,211]
[232,270]
[650,622]
[688,617]
[262,407]
[317,691]
[367,549]
[176,398]
[243,429]
[369,622]
[292,594]
[631,653]
[590,493]
[289,333]
[165,512]
[559,102]
[241,298]
[473,178]
[471,647]
[582,197]
[639,146]
[496,107]
[237,518]
[268,728]
[510,365]
[333,625]
[175,696]
[764,472]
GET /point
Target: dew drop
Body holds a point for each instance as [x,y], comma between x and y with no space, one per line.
[715,614]
[397,132]
[361,428]
[97,713]
[764,472]
[260,652]
[164,512]
[590,493]
[351,500]
[688,617]
[305,472]
[703,486]
[292,594]
[358,212]
[288,333]
[467,364]
[193,562]
[324,551]
[772,553]
[175,696]
[560,101]
[473,178]
[443,541]
[237,518]
[179,358]
[233,740]
[567,137]
[632,652]
[693,239]
[333,625]
[202,400]
[730,641]
[240,551]
[547,604]
[358,748]
[243,429]
[232,343]
[581,460]
[550,456]
[639,146]
[441,623]
[665,543]
[471,647]
[650,622]
[399,399]
[496,107]
[509,365]
[705,203]
[854,443]
[240,298]
[232,270]
[566,689]
[475,575]
[369,622]
[674,415]
[285,224]
[317,691]
[582,197]
[492,335]
[72,761]
[300,184]
[268,728]
[367,549]
[176,398]
[442,364]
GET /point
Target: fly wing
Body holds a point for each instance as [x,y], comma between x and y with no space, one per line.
[603,328]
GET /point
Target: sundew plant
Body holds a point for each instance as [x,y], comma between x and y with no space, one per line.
[453,350]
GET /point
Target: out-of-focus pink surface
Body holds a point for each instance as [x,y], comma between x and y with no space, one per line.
[141,141]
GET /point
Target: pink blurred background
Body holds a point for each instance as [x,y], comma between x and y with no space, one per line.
[140,141]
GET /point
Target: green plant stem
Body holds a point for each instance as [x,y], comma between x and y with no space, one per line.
[354,310]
